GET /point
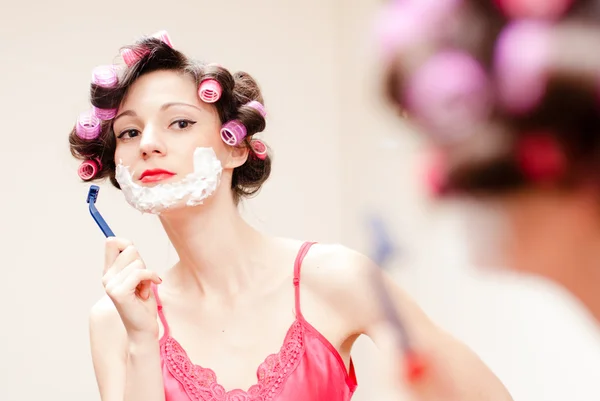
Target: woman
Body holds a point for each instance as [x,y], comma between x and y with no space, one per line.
[507,96]
[178,138]
[509,101]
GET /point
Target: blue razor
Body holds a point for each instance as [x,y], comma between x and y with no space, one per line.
[91,200]
[384,250]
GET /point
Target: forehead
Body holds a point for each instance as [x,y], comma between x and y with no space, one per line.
[158,87]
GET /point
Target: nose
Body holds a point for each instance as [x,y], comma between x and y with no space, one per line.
[151,143]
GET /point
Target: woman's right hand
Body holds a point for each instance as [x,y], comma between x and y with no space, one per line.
[128,284]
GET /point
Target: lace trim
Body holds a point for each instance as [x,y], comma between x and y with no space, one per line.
[201,383]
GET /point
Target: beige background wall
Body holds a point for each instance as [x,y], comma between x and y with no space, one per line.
[338,155]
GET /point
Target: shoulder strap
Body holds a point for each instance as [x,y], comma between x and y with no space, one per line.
[161,314]
[297,265]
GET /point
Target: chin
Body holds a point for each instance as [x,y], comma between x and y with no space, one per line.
[182,208]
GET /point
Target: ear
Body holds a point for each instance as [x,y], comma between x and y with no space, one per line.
[236,156]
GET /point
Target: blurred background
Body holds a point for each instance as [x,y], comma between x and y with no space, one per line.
[339,154]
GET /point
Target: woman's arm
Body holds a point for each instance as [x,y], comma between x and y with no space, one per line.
[126,369]
[454,372]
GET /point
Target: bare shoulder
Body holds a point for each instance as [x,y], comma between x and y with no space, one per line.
[339,276]
[336,261]
[344,276]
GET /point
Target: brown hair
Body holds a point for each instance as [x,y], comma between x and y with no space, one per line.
[237,90]
[569,113]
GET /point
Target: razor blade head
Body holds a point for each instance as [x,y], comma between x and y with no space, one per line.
[93,193]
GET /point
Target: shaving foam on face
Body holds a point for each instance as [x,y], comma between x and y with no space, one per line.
[191,190]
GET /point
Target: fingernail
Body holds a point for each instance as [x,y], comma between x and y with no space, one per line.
[160,279]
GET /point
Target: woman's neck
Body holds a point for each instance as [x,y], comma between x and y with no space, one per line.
[584,284]
[219,253]
[578,271]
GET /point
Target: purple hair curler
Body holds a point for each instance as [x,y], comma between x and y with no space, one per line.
[521,61]
[258,106]
[449,91]
[233,132]
[88,126]
[104,114]
[405,23]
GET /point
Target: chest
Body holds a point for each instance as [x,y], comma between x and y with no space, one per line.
[247,346]
[230,344]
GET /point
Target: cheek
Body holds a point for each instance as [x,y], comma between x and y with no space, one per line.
[186,155]
[128,153]
[121,154]
[181,157]
[222,151]
[209,137]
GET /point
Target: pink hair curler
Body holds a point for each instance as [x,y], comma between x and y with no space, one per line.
[104,114]
[540,157]
[130,56]
[259,148]
[256,105]
[88,126]
[88,169]
[105,76]
[434,172]
[535,9]
[163,36]
[233,132]
[210,90]
[389,28]
[521,62]
[449,93]
[406,23]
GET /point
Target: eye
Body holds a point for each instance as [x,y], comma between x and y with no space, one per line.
[128,134]
[182,124]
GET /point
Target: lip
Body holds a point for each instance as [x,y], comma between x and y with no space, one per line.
[155,175]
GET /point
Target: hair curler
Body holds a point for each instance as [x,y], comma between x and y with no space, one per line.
[233,132]
[259,149]
[89,168]
[88,126]
[210,90]
[105,76]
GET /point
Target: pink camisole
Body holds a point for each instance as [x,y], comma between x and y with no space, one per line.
[306,368]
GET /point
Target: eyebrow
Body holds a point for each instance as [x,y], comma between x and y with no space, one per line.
[171,104]
[162,108]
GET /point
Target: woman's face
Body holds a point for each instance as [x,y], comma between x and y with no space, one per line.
[160,123]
